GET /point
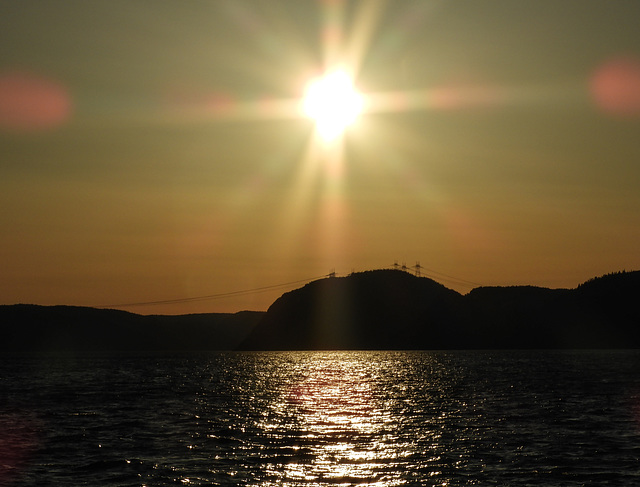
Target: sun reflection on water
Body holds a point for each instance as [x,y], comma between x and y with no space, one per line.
[346,434]
[327,418]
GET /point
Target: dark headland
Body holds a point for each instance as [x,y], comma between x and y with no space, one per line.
[391,309]
[382,309]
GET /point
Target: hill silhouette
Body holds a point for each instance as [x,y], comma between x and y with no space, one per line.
[70,328]
[391,309]
[373,309]
[383,309]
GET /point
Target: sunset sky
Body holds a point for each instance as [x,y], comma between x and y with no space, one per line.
[157,150]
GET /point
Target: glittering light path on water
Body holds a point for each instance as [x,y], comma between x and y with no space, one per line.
[518,418]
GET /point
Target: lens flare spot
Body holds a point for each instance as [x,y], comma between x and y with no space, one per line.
[30,103]
[19,439]
[615,87]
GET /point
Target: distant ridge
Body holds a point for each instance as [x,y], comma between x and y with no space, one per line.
[391,309]
[381,309]
[35,328]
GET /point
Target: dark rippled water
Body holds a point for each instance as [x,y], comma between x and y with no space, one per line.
[322,418]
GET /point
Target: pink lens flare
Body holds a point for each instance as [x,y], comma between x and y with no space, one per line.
[18,441]
[32,103]
[615,87]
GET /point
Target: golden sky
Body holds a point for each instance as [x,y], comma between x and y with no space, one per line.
[155,150]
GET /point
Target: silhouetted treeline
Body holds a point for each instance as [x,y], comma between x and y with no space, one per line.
[70,328]
[385,309]
[390,309]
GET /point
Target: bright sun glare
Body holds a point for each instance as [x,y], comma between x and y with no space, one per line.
[333,103]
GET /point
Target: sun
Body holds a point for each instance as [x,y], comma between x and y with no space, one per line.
[333,103]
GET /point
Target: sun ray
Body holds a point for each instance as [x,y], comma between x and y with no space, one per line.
[366,20]
[316,212]
[332,31]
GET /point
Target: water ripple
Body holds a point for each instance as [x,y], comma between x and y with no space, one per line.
[323,418]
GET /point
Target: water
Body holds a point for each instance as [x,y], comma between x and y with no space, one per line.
[322,418]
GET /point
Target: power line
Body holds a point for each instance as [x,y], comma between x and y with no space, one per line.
[440,276]
[459,280]
[428,272]
[450,281]
[212,296]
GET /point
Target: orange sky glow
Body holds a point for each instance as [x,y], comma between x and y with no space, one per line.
[157,152]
